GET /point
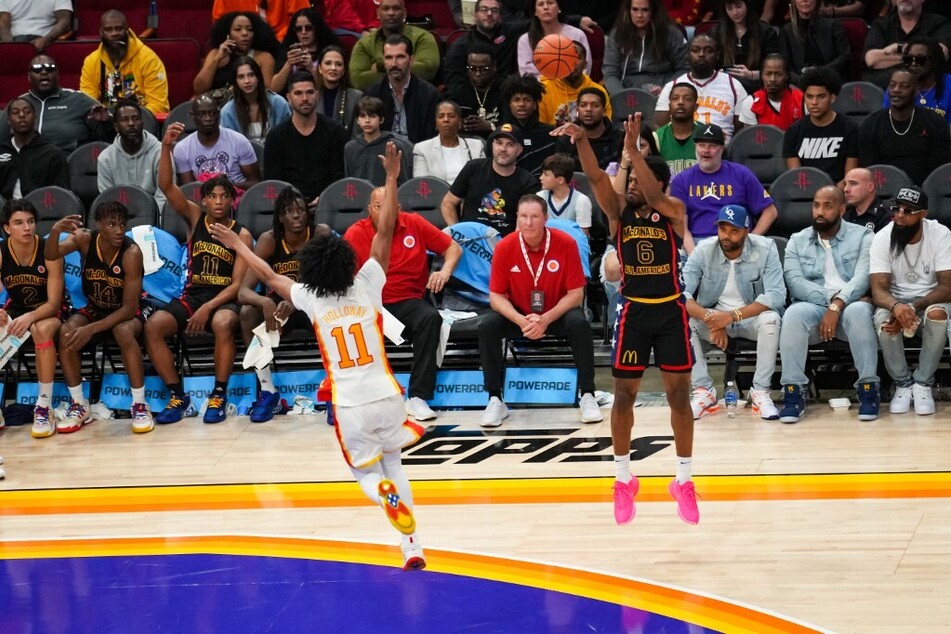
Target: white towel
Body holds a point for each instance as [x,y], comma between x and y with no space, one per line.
[393,328]
[449,317]
[260,351]
[145,238]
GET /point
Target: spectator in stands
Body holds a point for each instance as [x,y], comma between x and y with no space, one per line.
[924,57]
[560,103]
[645,49]
[810,40]
[674,140]
[28,160]
[351,17]
[307,149]
[253,109]
[235,35]
[133,157]
[602,13]
[712,183]
[721,93]
[208,303]
[734,287]
[884,44]
[826,269]
[361,155]
[546,19]
[39,22]
[335,98]
[777,103]
[444,155]
[842,9]
[303,44]
[744,41]
[367,60]
[123,67]
[34,287]
[905,135]
[410,100]
[277,13]
[605,138]
[488,189]
[111,272]
[536,288]
[825,139]
[480,98]
[910,265]
[862,204]
[213,149]
[67,118]
[521,96]
[562,201]
[407,280]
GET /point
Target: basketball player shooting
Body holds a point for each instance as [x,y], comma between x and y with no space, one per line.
[652,312]
[345,305]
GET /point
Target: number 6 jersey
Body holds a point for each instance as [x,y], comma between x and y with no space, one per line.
[648,249]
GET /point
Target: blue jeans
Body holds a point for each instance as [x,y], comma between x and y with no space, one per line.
[763,329]
[934,337]
[801,330]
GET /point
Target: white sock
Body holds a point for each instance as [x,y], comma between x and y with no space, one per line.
[369,480]
[46,395]
[76,393]
[393,470]
[684,469]
[622,466]
[138,394]
[264,376]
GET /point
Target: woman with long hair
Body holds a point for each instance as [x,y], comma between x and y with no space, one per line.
[252,110]
[546,19]
[233,36]
[307,35]
[337,99]
[444,155]
[811,40]
[744,41]
[645,49]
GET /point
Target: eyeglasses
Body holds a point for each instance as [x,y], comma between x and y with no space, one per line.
[39,68]
[919,60]
[489,10]
[479,69]
[304,28]
[898,209]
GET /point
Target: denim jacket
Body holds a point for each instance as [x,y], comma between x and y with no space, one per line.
[759,273]
[805,264]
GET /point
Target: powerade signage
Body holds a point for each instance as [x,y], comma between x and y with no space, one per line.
[116,393]
[541,386]
[28,392]
[298,383]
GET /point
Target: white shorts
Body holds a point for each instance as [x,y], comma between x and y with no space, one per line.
[366,431]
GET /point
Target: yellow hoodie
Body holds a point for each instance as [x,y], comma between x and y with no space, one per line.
[559,104]
[141,74]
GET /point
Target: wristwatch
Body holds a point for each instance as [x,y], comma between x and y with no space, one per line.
[834,307]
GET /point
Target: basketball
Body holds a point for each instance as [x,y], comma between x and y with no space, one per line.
[555,56]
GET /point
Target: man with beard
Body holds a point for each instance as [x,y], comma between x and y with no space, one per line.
[675,140]
[862,204]
[887,35]
[605,139]
[777,103]
[368,59]
[734,287]
[905,135]
[651,312]
[410,100]
[27,159]
[826,268]
[489,189]
[720,94]
[481,97]
[133,157]
[910,266]
[124,68]
[213,149]
[67,118]
[520,96]
[560,103]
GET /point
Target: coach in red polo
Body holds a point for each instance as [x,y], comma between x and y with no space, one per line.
[407,280]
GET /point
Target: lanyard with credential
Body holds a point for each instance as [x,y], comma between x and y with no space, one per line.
[551,205]
[541,265]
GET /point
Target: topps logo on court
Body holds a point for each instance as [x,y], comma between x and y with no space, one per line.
[447,444]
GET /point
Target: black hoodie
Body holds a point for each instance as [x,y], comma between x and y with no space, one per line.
[37,164]
[538,143]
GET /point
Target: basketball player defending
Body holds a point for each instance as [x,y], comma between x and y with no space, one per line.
[345,306]
[652,312]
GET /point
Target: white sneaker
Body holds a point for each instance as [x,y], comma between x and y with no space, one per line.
[495,412]
[590,411]
[703,402]
[76,416]
[763,404]
[413,556]
[142,421]
[419,409]
[901,402]
[924,401]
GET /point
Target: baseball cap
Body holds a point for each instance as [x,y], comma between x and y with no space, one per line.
[709,133]
[735,215]
[912,197]
[508,130]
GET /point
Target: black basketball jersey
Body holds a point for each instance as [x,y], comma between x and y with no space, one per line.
[25,281]
[285,262]
[649,252]
[103,282]
[210,263]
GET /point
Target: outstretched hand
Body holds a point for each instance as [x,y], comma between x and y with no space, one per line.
[632,134]
[69,224]
[392,160]
[173,132]
[224,235]
[572,130]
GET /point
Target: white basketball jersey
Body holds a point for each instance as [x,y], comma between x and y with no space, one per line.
[718,99]
[350,335]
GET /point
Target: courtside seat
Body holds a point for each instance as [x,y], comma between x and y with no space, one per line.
[423,195]
[343,203]
[53,203]
[256,209]
[143,210]
[858,99]
[888,180]
[84,171]
[760,148]
[938,188]
[793,192]
[631,100]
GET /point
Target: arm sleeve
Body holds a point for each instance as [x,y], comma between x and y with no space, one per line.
[611,66]
[154,83]
[583,211]
[246,155]
[420,167]
[433,239]
[360,61]
[746,111]
[426,56]
[273,166]
[868,143]
[791,140]
[692,272]
[526,61]
[940,142]
[89,77]
[757,196]
[499,281]
[663,99]
[876,37]
[774,293]
[878,256]
[460,186]
[800,288]
[182,164]
[858,285]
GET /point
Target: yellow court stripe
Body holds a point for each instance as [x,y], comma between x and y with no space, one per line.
[710,612]
[510,491]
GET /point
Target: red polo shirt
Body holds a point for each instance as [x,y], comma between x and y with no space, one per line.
[512,277]
[408,272]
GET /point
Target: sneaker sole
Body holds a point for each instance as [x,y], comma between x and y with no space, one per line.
[72,429]
[414,563]
[421,418]
[867,417]
[400,516]
[43,435]
[143,430]
[789,420]
[773,417]
[706,411]
[593,420]
[492,423]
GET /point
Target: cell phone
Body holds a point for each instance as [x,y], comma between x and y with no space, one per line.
[466,111]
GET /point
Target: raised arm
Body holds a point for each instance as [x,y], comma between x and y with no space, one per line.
[166,182]
[280,284]
[610,201]
[671,208]
[72,225]
[386,223]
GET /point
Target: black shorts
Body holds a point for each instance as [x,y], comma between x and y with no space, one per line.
[94,313]
[182,308]
[642,327]
[19,311]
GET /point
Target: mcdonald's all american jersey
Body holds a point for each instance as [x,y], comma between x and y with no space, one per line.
[649,253]
[350,335]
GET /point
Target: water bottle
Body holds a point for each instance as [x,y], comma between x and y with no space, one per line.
[730,398]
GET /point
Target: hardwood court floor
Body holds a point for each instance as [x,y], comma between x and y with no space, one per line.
[837,523]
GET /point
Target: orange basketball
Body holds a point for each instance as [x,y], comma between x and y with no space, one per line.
[555,56]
